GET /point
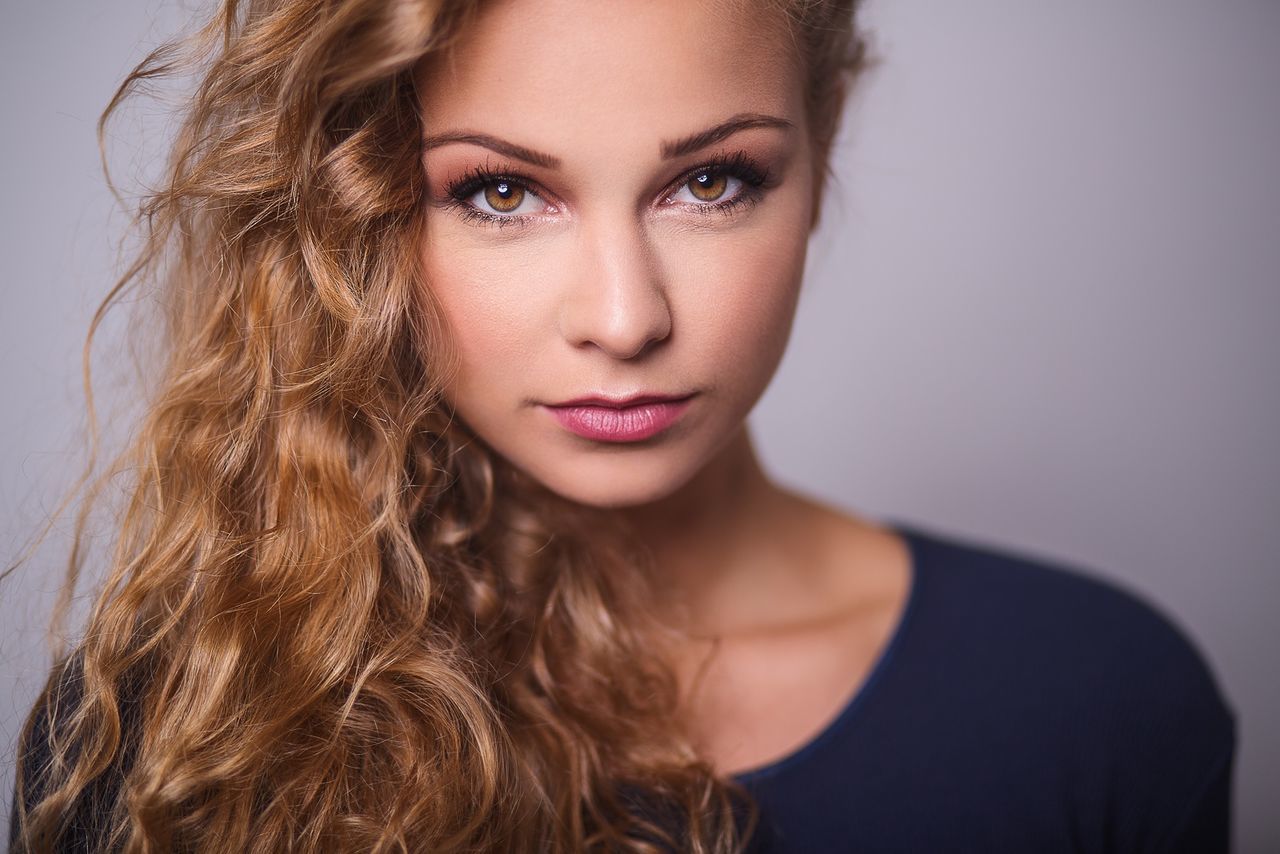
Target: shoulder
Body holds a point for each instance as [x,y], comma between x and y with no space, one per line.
[1010,594]
[1090,671]
[46,721]
[1067,616]
[50,741]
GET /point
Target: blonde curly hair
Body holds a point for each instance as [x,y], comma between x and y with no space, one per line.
[333,619]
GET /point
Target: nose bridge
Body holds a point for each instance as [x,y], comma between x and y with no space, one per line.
[616,300]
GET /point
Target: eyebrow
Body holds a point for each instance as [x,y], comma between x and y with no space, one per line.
[510,149]
[670,149]
[687,145]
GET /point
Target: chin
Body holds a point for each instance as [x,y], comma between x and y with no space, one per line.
[614,482]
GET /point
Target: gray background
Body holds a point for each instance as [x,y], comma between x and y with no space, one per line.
[1043,309]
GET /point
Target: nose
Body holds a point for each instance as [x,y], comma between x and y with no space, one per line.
[616,299]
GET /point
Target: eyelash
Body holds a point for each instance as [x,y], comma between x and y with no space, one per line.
[755,181]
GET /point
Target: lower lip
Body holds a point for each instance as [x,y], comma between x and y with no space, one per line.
[620,424]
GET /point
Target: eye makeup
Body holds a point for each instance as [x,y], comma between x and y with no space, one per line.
[754,179]
[459,192]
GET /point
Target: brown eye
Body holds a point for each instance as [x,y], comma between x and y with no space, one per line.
[503,196]
[708,186]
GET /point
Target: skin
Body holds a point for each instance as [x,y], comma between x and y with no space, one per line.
[620,279]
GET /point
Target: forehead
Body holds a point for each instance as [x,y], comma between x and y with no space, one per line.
[557,72]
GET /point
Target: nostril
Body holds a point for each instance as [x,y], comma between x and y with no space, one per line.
[616,300]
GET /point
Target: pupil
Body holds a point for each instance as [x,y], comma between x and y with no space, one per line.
[504,189]
[708,185]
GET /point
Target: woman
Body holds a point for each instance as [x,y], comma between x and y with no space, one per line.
[447,531]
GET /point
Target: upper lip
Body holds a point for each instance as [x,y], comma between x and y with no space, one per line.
[618,402]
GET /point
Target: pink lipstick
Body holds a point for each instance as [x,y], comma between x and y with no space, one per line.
[620,420]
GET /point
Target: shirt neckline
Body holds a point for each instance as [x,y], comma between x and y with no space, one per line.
[914,541]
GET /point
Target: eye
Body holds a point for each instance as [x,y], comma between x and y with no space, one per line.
[503,197]
[709,185]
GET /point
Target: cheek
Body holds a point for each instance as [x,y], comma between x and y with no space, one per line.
[731,288]
[739,296]
[489,299]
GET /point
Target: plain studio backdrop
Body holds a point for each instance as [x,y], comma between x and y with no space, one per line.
[1043,309]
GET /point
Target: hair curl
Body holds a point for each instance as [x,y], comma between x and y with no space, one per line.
[334,619]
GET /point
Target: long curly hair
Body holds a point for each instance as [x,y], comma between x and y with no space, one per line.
[333,619]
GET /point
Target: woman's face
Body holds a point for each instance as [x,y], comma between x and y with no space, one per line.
[619,206]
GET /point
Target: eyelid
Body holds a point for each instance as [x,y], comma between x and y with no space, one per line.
[737,165]
[493,169]
[457,194]
[755,180]
[526,186]
[477,178]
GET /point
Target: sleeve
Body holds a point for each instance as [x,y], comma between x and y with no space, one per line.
[1206,825]
[1176,743]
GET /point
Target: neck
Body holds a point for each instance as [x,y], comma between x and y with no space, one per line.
[714,538]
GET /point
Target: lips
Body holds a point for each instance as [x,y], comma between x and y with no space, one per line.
[620,419]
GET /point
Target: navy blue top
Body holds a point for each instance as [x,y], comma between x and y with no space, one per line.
[1021,705]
